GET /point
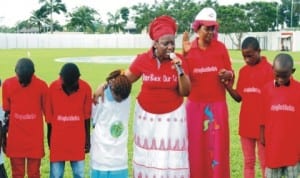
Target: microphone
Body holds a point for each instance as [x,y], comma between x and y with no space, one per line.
[178,66]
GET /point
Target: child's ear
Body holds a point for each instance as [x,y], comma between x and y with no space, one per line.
[259,50]
[293,70]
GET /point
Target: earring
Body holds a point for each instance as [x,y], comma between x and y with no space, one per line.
[155,52]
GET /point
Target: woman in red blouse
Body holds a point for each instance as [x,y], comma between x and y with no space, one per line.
[207,111]
[160,135]
[160,131]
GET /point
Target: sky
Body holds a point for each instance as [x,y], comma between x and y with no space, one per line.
[12,11]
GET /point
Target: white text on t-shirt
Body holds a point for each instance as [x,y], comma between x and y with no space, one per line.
[283,107]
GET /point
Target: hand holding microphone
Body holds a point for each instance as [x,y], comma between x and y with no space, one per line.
[177,65]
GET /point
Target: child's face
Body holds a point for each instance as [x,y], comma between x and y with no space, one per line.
[282,76]
[251,56]
[116,97]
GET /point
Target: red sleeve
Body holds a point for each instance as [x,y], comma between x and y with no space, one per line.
[262,106]
[135,66]
[226,59]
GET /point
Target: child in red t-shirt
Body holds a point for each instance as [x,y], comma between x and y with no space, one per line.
[68,115]
[280,109]
[23,99]
[252,77]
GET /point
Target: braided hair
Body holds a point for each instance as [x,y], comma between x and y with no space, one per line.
[120,84]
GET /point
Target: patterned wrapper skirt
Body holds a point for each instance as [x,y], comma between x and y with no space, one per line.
[160,144]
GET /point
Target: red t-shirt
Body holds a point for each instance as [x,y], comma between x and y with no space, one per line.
[67,116]
[159,91]
[26,105]
[250,82]
[280,114]
[204,65]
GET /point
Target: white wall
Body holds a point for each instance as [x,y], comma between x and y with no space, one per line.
[8,41]
[268,40]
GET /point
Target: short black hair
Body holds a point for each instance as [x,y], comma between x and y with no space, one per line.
[24,70]
[250,42]
[284,61]
[69,73]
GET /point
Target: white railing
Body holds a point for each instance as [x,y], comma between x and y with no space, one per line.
[268,40]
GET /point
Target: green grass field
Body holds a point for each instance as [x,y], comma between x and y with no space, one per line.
[95,73]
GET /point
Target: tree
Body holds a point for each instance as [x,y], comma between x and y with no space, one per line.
[234,22]
[25,24]
[262,16]
[144,14]
[39,19]
[184,11]
[296,13]
[124,14]
[115,23]
[56,26]
[52,6]
[83,19]
[287,15]
[5,29]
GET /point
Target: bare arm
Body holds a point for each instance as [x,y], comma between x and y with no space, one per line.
[5,130]
[132,78]
[186,44]
[184,85]
[100,90]
[87,125]
[233,93]
[226,77]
